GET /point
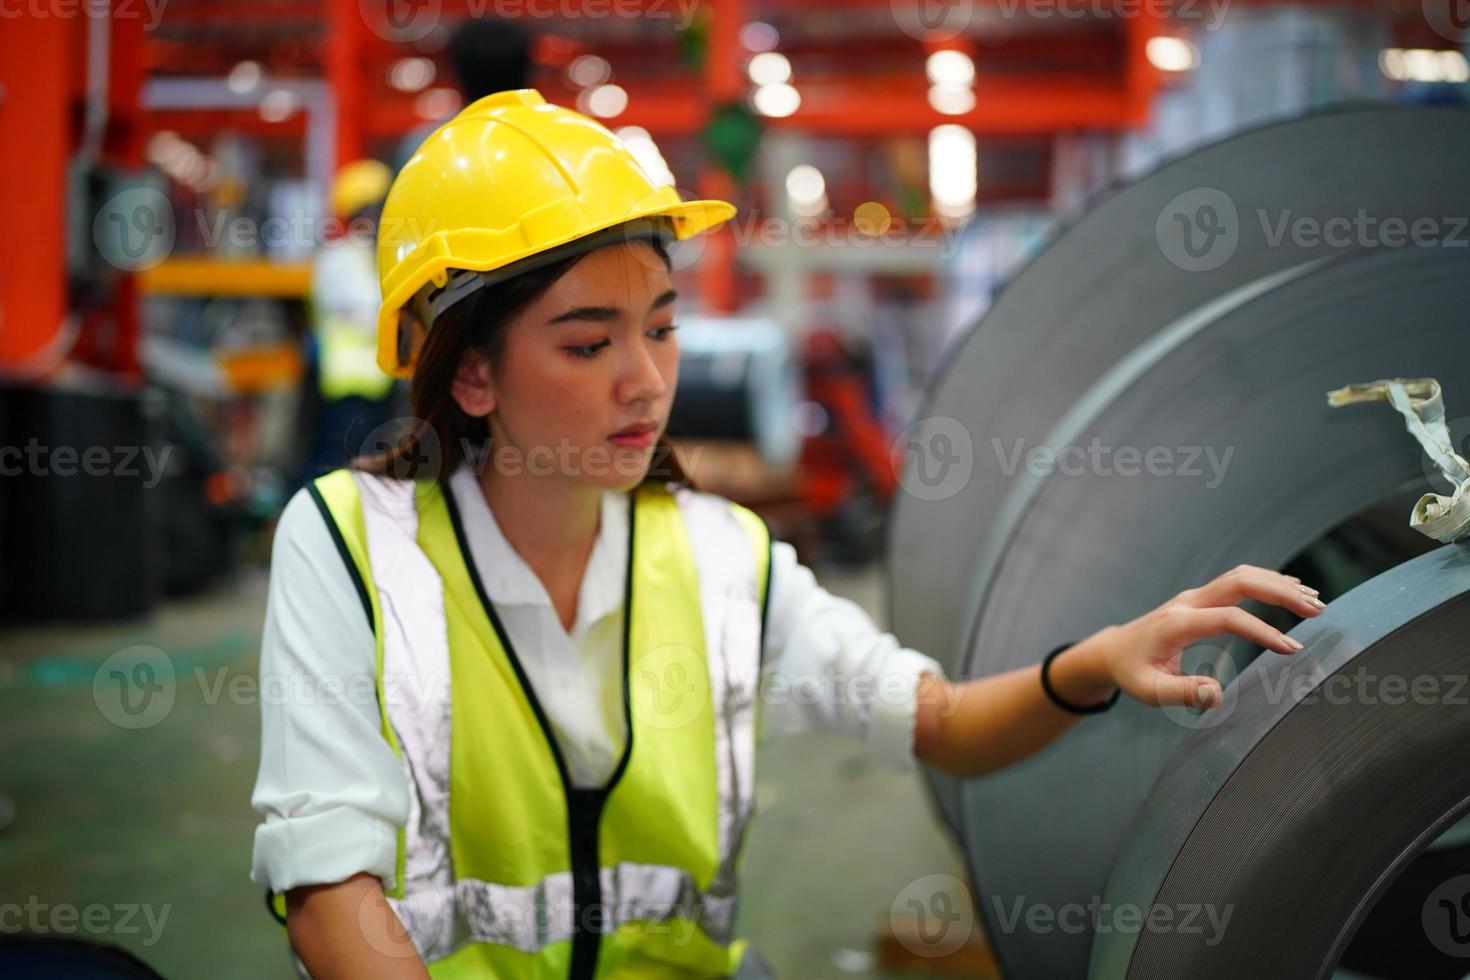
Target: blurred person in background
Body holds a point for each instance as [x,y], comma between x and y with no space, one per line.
[353,397]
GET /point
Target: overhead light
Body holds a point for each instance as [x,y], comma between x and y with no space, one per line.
[606,101]
[809,418]
[951,101]
[952,69]
[758,36]
[769,68]
[871,218]
[437,103]
[1171,53]
[806,188]
[411,74]
[243,77]
[277,106]
[1452,66]
[588,70]
[182,161]
[776,101]
[193,170]
[952,169]
[1423,65]
[1391,63]
[161,144]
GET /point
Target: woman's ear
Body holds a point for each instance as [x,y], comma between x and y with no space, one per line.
[474,384]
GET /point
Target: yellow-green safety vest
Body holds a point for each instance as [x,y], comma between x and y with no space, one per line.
[344,302]
[504,869]
[348,360]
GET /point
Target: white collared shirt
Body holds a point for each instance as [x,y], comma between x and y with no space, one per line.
[329,786]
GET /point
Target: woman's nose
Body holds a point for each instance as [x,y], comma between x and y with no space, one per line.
[642,377]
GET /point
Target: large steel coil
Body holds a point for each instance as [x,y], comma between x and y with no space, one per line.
[1330,772]
[1221,375]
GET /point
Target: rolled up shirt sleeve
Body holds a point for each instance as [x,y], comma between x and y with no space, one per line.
[828,667]
[330,788]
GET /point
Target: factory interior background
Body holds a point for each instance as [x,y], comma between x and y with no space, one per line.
[172,179]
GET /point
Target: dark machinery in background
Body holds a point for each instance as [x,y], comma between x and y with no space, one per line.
[1194,315]
[805,421]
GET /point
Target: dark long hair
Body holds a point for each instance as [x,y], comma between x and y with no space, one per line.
[441,433]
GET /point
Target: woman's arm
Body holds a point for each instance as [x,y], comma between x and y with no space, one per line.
[827,667]
[975,727]
[330,789]
[348,930]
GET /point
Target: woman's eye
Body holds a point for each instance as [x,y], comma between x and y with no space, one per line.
[587,350]
[662,333]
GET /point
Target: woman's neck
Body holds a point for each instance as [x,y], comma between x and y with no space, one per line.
[552,523]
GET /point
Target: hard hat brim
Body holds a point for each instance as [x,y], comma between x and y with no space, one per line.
[687,219]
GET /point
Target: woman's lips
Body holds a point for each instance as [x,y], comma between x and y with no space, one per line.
[635,439]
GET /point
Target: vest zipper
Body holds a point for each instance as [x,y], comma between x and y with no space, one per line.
[584,814]
[584,806]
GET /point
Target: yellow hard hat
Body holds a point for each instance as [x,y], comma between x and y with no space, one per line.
[360,183]
[509,178]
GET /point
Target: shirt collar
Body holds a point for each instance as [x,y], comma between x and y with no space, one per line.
[508,580]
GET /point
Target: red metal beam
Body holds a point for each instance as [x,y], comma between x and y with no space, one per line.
[345,76]
[264,14]
[36,62]
[1016,106]
[1010,106]
[723,83]
[1141,79]
[861,106]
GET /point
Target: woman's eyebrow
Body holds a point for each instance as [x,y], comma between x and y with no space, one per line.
[603,314]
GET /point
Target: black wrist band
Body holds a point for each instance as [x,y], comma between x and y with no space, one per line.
[1056,699]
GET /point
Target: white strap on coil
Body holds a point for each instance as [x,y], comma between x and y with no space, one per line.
[1419,401]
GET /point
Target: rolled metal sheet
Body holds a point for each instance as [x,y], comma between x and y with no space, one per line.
[1241,383]
[1110,281]
[1329,772]
[738,380]
[1101,290]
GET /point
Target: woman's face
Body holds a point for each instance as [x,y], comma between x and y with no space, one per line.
[592,356]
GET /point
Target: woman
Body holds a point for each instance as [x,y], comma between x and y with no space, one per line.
[550,654]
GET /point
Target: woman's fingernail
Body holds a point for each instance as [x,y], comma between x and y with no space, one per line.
[1316,603]
[1293,578]
[1205,694]
[1289,641]
[1307,589]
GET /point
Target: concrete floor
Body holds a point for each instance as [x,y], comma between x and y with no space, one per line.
[156,821]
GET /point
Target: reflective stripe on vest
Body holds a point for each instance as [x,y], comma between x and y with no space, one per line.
[533,876]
